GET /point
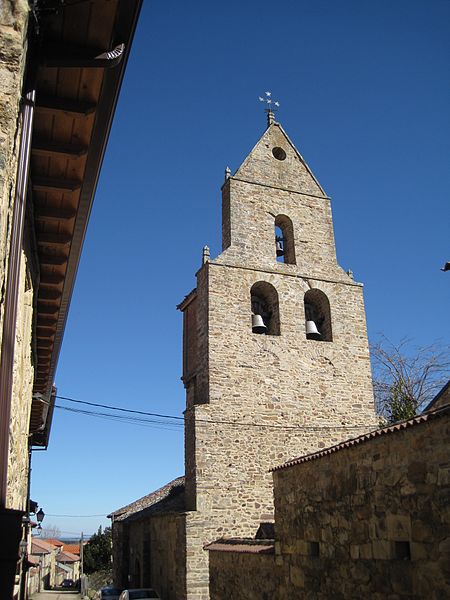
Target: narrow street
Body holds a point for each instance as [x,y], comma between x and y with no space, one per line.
[56,595]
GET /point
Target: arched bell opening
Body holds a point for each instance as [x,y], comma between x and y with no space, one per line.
[317,316]
[284,240]
[265,310]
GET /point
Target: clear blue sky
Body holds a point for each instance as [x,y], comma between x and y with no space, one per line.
[365,96]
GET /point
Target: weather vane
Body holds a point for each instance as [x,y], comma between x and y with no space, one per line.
[272,105]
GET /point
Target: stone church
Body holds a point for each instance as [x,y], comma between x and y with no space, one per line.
[275,365]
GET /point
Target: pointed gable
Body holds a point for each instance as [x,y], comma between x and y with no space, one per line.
[275,161]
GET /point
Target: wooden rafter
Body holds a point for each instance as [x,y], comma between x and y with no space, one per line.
[73,108]
[55,184]
[43,147]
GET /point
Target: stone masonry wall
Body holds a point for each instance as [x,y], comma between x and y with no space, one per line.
[157,555]
[13,29]
[243,576]
[378,513]
[13,47]
[287,395]
[23,378]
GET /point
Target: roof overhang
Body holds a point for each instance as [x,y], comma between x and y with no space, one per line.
[82,50]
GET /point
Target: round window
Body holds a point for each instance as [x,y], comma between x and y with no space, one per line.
[278,153]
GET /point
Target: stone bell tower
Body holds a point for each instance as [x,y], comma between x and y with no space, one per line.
[276,361]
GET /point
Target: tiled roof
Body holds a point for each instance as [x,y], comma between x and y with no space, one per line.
[171,493]
[245,545]
[41,546]
[66,557]
[366,437]
[54,541]
[72,548]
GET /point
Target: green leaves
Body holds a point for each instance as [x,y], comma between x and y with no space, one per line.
[97,552]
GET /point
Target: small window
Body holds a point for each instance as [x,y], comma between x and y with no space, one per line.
[264,307]
[284,240]
[317,316]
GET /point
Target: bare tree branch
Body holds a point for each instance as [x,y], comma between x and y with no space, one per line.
[407,378]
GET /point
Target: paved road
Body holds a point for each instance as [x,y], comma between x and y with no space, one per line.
[56,595]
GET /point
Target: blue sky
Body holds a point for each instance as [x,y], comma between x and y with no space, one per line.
[364,93]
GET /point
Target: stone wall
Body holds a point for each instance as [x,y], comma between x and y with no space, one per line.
[243,576]
[23,377]
[157,554]
[370,520]
[13,29]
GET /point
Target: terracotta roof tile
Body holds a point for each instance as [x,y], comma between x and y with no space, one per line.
[64,557]
[400,426]
[72,548]
[54,541]
[41,546]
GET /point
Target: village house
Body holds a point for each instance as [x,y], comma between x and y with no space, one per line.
[69,564]
[60,75]
[50,562]
[44,556]
[275,365]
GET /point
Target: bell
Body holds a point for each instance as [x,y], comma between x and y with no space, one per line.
[280,249]
[312,333]
[258,325]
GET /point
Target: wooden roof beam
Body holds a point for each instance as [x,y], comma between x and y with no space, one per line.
[49,295]
[45,309]
[69,106]
[54,214]
[53,239]
[51,279]
[43,147]
[55,184]
[52,260]
[44,343]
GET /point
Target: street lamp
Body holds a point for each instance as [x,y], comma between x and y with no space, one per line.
[40,517]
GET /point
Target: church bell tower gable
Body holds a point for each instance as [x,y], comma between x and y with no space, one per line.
[275,192]
[275,161]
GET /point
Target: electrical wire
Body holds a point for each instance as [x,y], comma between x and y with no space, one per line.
[125,419]
[77,516]
[168,425]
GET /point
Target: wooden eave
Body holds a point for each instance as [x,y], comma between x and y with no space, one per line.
[77,87]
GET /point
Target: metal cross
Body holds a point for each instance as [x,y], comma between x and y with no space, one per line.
[271,104]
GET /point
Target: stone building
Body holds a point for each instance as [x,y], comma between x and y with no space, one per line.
[368,517]
[61,68]
[275,360]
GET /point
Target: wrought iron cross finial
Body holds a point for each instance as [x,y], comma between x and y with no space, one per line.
[271,106]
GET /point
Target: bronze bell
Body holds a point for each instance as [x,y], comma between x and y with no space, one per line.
[258,325]
[279,246]
[312,333]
